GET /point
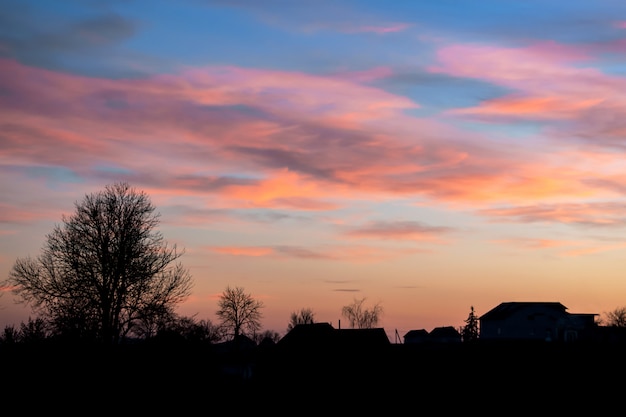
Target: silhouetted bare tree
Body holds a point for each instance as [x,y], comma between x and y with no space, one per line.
[360,317]
[239,313]
[304,316]
[616,318]
[469,332]
[104,268]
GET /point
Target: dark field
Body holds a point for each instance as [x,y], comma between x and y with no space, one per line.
[509,379]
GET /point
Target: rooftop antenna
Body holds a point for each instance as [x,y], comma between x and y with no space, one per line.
[398,339]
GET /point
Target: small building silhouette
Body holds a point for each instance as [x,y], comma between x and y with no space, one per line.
[416,337]
[445,334]
[324,335]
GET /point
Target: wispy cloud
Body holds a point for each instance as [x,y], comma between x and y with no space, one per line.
[399,230]
[537,243]
[609,214]
[361,253]
[380,30]
[550,82]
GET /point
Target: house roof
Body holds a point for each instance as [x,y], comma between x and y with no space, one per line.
[505,310]
[416,333]
[323,334]
[310,333]
[370,337]
[443,332]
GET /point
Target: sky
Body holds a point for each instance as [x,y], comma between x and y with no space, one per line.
[428,157]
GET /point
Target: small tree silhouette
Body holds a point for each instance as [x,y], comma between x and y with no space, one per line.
[239,312]
[362,318]
[616,318]
[469,332]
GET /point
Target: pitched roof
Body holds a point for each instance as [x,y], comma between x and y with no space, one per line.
[418,333]
[505,310]
[444,332]
[323,334]
[363,337]
[311,333]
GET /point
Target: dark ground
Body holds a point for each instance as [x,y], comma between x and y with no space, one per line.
[503,379]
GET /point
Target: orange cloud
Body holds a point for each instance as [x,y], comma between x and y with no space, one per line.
[593,250]
[332,253]
[581,248]
[536,243]
[284,189]
[242,251]
[536,107]
[6,288]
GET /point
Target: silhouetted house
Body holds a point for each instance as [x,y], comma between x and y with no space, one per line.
[313,335]
[445,334]
[547,321]
[416,337]
[362,338]
[325,336]
[438,335]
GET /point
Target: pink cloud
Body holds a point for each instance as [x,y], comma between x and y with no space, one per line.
[549,83]
[261,138]
[399,230]
[21,215]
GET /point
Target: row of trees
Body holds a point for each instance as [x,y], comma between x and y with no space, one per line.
[239,315]
[107,274]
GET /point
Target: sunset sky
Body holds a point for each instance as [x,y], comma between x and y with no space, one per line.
[428,156]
